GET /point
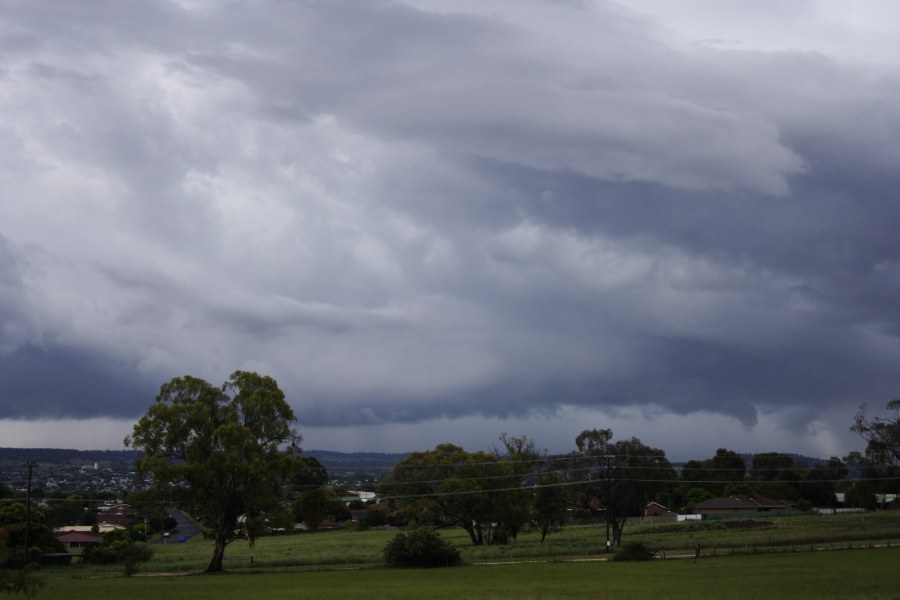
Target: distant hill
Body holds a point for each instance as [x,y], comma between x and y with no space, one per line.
[338,464]
[372,458]
[67,457]
[356,465]
[799,459]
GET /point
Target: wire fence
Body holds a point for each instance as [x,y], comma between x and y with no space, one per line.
[700,551]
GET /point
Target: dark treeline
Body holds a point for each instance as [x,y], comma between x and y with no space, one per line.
[495,495]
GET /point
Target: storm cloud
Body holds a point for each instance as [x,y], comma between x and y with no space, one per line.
[418,215]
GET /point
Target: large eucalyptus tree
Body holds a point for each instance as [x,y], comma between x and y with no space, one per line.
[218,452]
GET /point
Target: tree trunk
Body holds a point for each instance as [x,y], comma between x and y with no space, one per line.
[215,565]
[618,526]
[472,535]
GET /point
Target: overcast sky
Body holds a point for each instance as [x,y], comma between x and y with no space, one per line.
[441,220]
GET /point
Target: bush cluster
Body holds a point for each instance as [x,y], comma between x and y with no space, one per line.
[420,548]
[118,547]
[633,551]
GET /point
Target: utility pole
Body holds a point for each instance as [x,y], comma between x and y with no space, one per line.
[30,466]
[606,502]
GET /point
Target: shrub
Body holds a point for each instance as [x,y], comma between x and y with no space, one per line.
[420,548]
[633,551]
[118,548]
[376,518]
[133,555]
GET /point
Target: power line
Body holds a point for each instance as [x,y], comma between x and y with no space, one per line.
[582,482]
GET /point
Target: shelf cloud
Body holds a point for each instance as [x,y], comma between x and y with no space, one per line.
[455,217]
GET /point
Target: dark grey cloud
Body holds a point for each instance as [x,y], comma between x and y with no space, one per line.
[58,381]
[425,213]
[13,301]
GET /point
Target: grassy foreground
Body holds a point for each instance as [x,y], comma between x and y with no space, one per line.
[829,574]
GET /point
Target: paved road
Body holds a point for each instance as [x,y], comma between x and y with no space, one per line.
[186,527]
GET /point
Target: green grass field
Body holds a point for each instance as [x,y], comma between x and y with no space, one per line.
[831,574]
[363,548]
[344,564]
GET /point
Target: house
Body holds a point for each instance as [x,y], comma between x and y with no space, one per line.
[119,515]
[102,528]
[359,515]
[765,504]
[594,505]
[740,504]
[887,501]
[655,509]
[79,539]
[364,496]
[723,506]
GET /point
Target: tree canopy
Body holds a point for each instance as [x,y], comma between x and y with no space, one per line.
[715,474]
[12,530]
[624,475]
[17,566]
[219,452]
[476,491]
[880,465]
[882,435]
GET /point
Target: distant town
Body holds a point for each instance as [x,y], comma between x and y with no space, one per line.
[113,471]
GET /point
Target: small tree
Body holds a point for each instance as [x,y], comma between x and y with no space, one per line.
[376,517]
[15,581]
[549,505]
[420,548]
[119,547]
[859,496]
[819,482]
[40,537]
[311,507]
[513,506]
[633,551]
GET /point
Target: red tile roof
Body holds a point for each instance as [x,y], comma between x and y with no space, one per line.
[79,537]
